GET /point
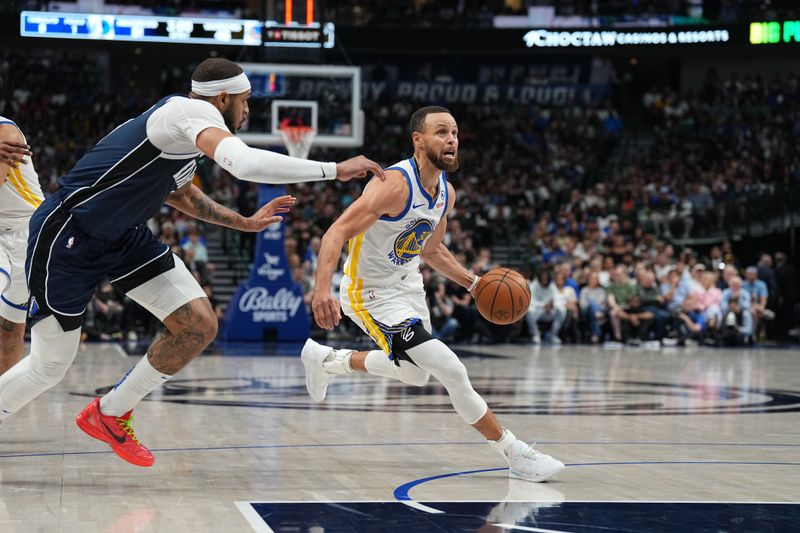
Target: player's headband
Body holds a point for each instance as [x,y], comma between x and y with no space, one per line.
[235,85]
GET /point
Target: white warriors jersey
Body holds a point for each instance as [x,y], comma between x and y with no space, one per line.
[21,194]
[389,249]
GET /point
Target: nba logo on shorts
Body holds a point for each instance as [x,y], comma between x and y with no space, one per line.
[70,242]
[371,294]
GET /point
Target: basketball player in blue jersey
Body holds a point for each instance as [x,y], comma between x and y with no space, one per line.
[389,228]
[94,227]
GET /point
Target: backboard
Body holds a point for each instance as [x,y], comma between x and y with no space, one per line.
[327,98]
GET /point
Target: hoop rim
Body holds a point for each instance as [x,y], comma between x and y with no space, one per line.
[292,128]
[297,138]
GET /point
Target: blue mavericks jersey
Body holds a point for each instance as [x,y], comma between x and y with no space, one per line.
[123,180]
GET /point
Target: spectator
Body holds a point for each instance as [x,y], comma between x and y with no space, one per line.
[483,263]
[219,309]
[670,290]
[786,276]
[636,321]
[620,291]
[759,295]
[593,306]
[653,302]
[567,300]
[688,322]
[767,274]
[543,308]
[168,235]
[737,325]
[310,258]
[195,242]
[709,299]
[735,292]
[441,306]
[104,314]
[565,269]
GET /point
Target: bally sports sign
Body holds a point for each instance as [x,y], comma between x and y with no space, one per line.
[268,305]
[265,307]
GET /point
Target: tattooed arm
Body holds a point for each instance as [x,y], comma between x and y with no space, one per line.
[194,202]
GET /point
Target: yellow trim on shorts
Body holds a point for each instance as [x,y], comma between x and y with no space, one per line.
[357,300]
[16,180]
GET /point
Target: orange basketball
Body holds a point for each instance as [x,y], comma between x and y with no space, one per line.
[502,296]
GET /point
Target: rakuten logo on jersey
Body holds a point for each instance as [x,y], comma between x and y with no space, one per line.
[278,307]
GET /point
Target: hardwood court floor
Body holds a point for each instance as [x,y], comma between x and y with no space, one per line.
[237,440]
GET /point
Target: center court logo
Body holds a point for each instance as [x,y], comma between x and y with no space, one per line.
[409,243]
[507,396]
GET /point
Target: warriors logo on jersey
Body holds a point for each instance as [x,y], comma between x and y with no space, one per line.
[410,242]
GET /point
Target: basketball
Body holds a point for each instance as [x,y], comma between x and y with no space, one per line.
[502,296]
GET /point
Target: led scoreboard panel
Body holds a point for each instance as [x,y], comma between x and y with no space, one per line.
[191,30]
[140,28]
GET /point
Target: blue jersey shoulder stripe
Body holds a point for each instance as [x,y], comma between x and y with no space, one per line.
[408,200]
[446,193]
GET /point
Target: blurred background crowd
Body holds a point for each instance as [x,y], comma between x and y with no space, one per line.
[635,216]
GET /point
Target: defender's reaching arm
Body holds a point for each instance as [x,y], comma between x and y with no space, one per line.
[263,166]
[194,202]
[184,124]
[13,149]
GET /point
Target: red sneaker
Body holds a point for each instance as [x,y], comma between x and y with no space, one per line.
[117,431]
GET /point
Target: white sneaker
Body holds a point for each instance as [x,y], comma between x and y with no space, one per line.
[527,464]
[536,339]
[317,378]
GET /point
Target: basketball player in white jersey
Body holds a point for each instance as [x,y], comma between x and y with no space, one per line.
[20,195]
[390,227]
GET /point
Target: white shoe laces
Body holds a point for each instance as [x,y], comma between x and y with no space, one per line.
[532,453]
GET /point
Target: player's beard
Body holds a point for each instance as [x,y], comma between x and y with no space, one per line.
[230,119]
[438,162]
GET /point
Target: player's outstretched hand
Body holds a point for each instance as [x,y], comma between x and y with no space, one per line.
[326,309]
[13,153]
[358,167]
[269,213]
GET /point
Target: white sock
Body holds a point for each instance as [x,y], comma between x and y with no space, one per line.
[504,443]
[338,362]
[140,381]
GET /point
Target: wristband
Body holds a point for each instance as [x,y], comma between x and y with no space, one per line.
[475,281]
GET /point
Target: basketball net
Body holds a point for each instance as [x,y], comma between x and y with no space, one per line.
[297,139]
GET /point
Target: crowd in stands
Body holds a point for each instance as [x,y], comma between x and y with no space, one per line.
[602,246]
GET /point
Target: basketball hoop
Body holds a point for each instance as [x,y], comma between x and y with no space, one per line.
[297,139]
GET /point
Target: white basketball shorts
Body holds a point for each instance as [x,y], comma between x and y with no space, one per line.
[13,285]
[383,311]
